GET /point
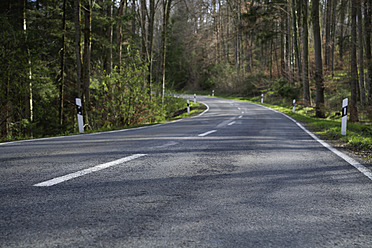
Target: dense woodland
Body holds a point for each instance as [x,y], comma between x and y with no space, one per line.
[122,56]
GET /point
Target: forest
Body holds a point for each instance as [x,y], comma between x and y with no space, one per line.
[122,58]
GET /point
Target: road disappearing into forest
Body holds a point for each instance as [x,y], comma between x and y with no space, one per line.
[239,175]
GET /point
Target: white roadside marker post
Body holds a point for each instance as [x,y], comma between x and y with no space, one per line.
[80,115]
[194,98]
[212,92]
[188,107]
[294,106]
[344,116]
[261,98]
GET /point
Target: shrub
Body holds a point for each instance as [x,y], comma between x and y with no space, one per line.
[286,90]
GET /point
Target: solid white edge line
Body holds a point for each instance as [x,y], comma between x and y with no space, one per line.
[361,168]
[207,133]
[202,113]
[80,173]
[345,157]
[231,123]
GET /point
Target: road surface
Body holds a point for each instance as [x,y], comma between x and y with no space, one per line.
[240,175]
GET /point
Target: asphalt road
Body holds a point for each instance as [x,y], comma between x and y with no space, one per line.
[239,175]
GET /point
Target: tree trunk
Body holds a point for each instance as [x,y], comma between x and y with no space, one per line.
[227,37]
[295,40]
[110,37]
[143,29]
[29,101]
[288,47]
[215,29]
[134,18]
[327,45]
[150,37]
[282,47]
[6,121]
[119,35]
[320,109]
[333,33]
[342,21]
[236,21]
[166,14]
[305,52]
[361,54]
[368,31]
[63,55]
[87,53]
[353,64]
[78,47]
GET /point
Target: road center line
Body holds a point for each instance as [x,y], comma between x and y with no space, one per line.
[80,173]
[224,123]
[231,123]
[206,133]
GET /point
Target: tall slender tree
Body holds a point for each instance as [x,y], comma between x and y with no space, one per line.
[295,40]
[327,44]
[150,38]
[305,55]
[110,35]
[78,52]
[362,88]
[166,15]
[119,31]
[87,56]
[63,58]
[341,39]
[353,64]
[319,108]
[368,32]
[29,98]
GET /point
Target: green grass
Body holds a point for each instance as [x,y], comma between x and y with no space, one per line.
[358,138]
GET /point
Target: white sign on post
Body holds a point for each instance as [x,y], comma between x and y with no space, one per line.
[344,116]
[294,105]
[80,115]
[261,98]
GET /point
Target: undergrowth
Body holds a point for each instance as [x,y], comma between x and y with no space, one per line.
[174,108]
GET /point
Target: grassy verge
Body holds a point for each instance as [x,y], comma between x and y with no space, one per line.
[195,109]
[357,140]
